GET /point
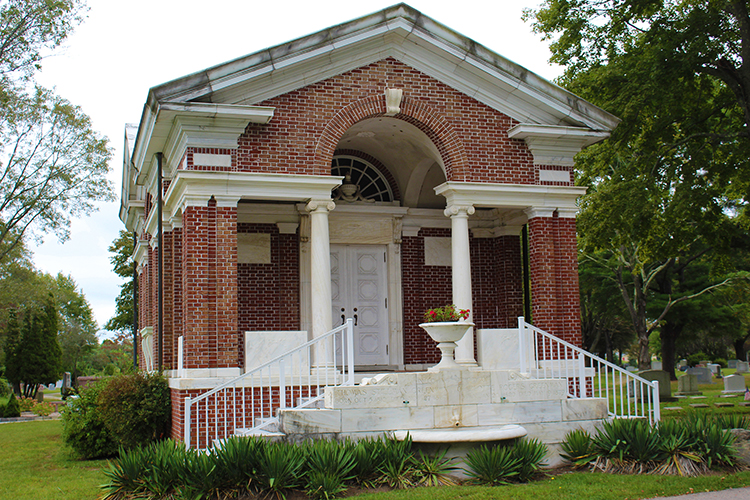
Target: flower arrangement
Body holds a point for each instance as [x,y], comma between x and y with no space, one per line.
[445,313]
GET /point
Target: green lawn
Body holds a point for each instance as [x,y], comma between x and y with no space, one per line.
[34,464]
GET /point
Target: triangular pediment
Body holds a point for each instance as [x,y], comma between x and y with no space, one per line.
[406,35]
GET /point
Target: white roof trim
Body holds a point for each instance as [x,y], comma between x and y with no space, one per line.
[518,196]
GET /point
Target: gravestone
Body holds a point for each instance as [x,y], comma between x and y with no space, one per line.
[703,374]
[67,386]
[665,389]
[681,363]
[687,385]
[742,367]
[632,369]
[656,365]
[715,369]
[732,364]
[734,384]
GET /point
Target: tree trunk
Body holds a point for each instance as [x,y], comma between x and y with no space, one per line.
[669,333]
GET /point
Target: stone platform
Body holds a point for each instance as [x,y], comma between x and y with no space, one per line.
[484,401]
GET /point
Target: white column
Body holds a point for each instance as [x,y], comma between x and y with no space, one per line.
[461,274]
[320,272]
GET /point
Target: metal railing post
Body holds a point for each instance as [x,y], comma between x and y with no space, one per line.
[657,408]
[522,344]
[282,384]
[350,350]
[582,377]
[186,422]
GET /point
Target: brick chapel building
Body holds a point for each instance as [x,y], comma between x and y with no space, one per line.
[371,170]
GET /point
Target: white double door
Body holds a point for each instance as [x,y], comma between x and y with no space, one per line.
[359,290]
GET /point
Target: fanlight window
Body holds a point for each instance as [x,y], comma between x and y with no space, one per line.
[362,181]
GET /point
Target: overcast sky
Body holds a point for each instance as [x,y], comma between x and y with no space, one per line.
[124,48]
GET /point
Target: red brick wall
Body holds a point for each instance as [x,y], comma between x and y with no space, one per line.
[554,277]
[307,124]
[209,286]
[269,293]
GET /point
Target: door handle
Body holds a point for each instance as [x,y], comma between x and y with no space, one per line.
[355,316]
[343,316]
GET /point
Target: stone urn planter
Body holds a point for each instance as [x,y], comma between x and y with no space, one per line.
[446,334]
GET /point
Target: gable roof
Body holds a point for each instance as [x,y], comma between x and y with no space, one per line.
[407,35]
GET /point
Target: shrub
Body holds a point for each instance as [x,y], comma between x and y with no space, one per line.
[578,448]
[696,358]
[43,409]
[26,404]
[721,362]
[136,408]
[530,454]
[435,470]
[279,469]
[83,426]
[491,465]
[12,410]
[4,387]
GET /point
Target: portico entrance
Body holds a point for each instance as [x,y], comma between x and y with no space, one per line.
[359,290]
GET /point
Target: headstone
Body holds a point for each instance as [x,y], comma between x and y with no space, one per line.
[665,388]
[734,383]
[58,385]
[656,365]
[687,385]
[681,363]
[743,367]
[703,374]
[67,386]
[715,369]
[732,364]
[705,362]
[632,369]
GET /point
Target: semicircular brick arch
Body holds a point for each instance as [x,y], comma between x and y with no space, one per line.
[434,126]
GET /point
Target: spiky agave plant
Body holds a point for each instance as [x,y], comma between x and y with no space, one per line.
[611,443]
[491,465]
[125,475]
[329,466]
[530,453]
[396,466]
[717,446]
[162,475]
[676,455]
[578,448]
[279,469]
[368,459]
[435,470]
[237,461]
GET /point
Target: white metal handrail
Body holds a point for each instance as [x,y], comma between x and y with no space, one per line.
[545,356]
[296,379]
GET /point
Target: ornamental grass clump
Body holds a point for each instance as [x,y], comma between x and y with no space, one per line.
[684,447]
[445,313]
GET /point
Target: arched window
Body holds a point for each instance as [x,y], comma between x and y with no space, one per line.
[362,181]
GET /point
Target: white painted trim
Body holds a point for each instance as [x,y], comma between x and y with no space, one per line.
[555,145]
[519,196]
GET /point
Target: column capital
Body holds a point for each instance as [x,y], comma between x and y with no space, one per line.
[459,210]
[533,212]
[320,206]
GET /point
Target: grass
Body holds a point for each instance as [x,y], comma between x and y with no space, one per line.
[34,464]
[588,485]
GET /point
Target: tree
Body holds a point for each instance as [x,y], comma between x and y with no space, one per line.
[123,265]
[669,188]
[37,354]
[77,327]
[53,165]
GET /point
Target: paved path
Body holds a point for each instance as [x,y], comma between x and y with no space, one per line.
[731,494]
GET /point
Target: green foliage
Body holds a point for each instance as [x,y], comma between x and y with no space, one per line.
[368,457]
[136,408]
[492,465]
[530,454]
[696,358]
[578,448]
[396,467]
[12,410]
[84,430]
[278,470]
[329,466]
[4,387]
[125,475]
[34,357]
[435,470]
[238,460]
[123,266]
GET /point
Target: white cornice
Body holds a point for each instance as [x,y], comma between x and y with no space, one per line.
[520,196]
[554,145]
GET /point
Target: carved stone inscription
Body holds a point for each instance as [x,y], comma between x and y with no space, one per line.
[529,390]
[371,396]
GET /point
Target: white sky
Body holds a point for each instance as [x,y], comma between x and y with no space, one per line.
[124,48]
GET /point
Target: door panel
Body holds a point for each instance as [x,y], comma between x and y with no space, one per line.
[358,290]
